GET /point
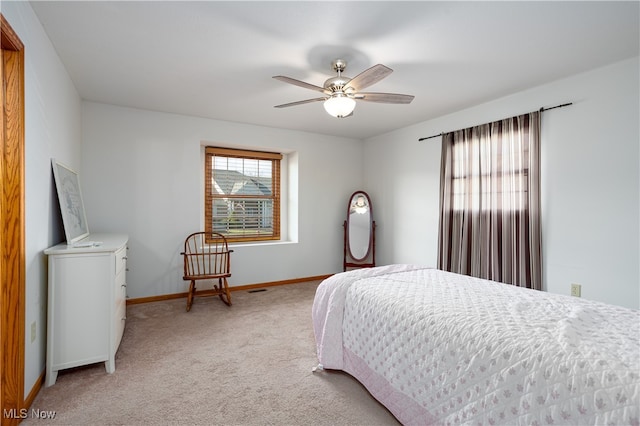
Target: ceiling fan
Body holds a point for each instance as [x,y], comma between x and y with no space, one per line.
[341,92]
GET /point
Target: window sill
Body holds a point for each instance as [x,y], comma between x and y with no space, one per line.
[261,244]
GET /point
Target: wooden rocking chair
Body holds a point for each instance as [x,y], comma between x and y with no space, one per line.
[206,257]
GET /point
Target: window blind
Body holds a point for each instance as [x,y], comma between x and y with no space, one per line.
[242,194]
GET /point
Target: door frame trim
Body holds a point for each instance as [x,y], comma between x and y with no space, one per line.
[12,225]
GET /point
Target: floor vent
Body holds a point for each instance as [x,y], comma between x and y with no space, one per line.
[257,290]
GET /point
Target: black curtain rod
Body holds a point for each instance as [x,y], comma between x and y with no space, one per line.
[541,109]
[557,106]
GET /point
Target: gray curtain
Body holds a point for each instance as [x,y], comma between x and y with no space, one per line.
[490,202]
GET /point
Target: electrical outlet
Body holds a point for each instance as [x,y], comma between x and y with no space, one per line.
[575,290]
[33,332]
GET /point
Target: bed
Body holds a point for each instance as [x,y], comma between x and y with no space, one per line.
[441,348]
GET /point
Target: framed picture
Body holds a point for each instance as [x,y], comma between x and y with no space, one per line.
[71,205]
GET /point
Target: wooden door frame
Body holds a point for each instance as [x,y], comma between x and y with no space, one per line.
[12,226]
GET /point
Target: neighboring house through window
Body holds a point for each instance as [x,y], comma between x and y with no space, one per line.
[242,194]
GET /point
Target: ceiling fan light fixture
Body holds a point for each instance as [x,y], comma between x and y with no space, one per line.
[339,106]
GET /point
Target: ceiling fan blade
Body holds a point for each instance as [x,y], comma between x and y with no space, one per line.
[369,76]
[386,98]
[301,84]
[300,102]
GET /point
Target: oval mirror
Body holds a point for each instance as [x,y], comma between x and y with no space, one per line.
[359,223]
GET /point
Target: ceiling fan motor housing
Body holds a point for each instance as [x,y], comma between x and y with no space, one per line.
[337,84]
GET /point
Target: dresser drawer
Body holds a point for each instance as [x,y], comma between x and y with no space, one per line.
[120,287]
[121,259]
[119,319]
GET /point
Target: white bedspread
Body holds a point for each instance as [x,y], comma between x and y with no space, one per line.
[442,348]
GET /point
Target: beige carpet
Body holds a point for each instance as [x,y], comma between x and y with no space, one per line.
[249,364]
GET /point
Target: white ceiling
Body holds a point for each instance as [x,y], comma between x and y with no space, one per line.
[216,59]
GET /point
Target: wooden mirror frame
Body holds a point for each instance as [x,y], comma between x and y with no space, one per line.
[369,258]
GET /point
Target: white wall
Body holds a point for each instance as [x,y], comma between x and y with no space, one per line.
[142,174]
[590,182]
[52,120]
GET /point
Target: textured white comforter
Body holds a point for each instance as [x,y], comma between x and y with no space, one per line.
[441,348]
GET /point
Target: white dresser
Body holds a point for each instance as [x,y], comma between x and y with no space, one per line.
[87,303]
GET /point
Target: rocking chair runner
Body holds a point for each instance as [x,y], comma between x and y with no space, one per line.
[206,257]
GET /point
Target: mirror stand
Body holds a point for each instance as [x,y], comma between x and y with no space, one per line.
[369,261]
[359,233]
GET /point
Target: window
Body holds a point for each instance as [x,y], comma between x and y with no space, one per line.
[489,174]
[242,194]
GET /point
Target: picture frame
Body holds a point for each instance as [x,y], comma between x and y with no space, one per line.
[74,218]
